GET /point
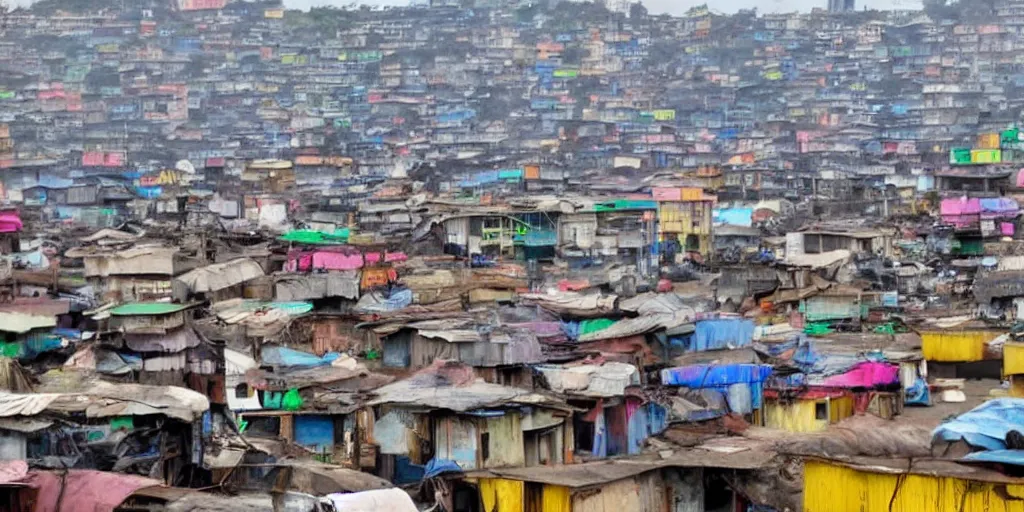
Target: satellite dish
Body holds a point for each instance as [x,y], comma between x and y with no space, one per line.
[185,166]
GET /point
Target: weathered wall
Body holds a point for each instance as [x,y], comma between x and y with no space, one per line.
[505,439]
[642,493]
[456,438]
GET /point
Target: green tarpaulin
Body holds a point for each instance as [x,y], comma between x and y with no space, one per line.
[308,236]
[597,324]
[147,308]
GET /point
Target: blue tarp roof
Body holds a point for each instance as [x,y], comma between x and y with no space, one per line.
[985,426]
[1010,457]
[722,333]
[437,467]
[282,356]
[710,376]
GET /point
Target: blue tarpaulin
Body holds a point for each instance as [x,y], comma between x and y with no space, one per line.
[722,333]
[918,393]
[700,376]
[1010,457]
[282,356]
[383,302]
[406,472]
[985,426]
[437,467]
[726,379]
[658,418]
[733,216]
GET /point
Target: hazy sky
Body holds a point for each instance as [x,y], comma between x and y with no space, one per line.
[655,6]
[680,6]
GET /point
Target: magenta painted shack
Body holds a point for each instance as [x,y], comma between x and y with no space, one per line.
[967,212]
[328,260]
[338,259]
[866,375]
[961,212]
[10,222]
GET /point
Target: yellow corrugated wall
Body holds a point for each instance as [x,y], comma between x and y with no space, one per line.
[500,495]
[955,347]
[840,408]
[835,488]
[556,499]
[1013,358]
[797,416]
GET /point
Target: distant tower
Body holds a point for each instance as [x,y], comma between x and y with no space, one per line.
[842,5]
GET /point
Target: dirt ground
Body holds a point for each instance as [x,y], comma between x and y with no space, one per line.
[977,391]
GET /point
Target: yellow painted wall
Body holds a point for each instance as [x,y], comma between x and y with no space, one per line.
[797,416]
[500,495]
[955,347]
[556,498]
[835,488]
[685,217]
[1017,386]
[1013,358]
[840,408]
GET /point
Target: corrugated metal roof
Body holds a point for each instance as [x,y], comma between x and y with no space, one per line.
[21,323]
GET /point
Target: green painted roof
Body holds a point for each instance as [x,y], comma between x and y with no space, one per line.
[625,204]
[148,308]
[306,236]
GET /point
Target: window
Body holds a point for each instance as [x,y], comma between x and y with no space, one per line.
[485,445]
[821,410]
[242,390]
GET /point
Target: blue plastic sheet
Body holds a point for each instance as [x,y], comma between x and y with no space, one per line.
[32,345]
[658,418]
[437,467]
[709,376]
[1008,457]
[733,216]
[379,302]
[406,472]
[724,379]
[282,356]
[722,333]
[985,426]
[918,394]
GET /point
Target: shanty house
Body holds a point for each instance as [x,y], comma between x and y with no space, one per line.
[135,426]
[961,350]
[684,220]
[25,336]
[690,480]
[216,282]
[418,344]
[741,385]
[314,402]
[140,273]
[819,241]
[894,484]
[977,472]
[271,176]
[615,418]
[470,422]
